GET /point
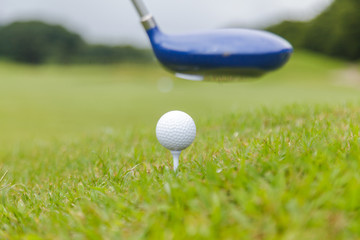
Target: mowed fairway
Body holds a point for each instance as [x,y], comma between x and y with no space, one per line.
[43,101]
[276,158]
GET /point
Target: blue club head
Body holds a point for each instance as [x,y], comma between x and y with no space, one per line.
[219,53]
[222,54]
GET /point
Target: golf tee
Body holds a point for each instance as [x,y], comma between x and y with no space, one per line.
[176,155]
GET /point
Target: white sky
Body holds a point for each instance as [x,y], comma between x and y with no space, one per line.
[116,22]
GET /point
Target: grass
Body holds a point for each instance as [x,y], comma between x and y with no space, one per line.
[53,101]
[274,159]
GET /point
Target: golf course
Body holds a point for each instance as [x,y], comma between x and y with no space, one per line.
[274,158]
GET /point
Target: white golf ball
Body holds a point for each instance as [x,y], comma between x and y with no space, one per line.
[176,130]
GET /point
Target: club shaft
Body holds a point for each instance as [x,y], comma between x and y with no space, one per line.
[146,17]
[141,8]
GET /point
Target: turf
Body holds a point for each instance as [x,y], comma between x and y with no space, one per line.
[53,101]
[273,159]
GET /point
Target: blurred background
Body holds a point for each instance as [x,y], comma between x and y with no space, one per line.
[115,21]
[82,67]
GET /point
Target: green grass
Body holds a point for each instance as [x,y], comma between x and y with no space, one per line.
[44,101]
[277,158]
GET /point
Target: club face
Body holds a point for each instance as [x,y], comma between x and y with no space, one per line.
[222,55]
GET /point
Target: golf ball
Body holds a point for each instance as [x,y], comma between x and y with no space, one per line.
[176,130]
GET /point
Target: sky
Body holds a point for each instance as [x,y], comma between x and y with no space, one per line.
[116,21]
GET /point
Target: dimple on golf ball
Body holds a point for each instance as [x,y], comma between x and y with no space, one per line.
[176,130]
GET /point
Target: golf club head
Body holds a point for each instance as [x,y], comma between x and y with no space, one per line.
[220,55]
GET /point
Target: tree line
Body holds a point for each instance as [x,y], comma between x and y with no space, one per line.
[37,42]
[335,32]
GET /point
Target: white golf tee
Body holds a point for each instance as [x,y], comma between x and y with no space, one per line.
[176,155]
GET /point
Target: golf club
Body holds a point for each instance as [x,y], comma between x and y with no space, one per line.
[217,55]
